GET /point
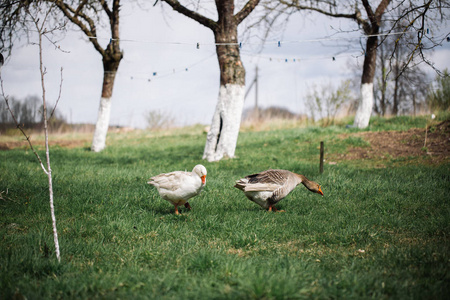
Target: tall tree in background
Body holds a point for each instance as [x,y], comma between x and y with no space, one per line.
[87,15]
[418,21]
[414,23]
[398,89]
[222,138]
[370,22]
[371,26]
[420,16]
[381,83]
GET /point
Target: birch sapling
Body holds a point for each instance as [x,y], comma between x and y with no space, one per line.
[41,32]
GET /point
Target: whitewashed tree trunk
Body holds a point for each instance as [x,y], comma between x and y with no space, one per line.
[80,14]
[365,105]
[371,28]
[222,137]
[101,128]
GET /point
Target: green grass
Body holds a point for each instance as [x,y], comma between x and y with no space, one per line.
[377,233]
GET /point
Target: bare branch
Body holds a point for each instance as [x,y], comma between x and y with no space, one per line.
[107,9]
[74,16]
[419,15]
[369,10]
[246,10]
[192,14]
[297,6]
[80,7]
[59,94]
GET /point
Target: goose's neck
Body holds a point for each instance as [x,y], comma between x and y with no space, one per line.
[301,179]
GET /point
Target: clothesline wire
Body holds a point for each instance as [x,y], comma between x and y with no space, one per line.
[165,73]
[276,42]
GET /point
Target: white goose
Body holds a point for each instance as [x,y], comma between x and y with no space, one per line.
[178,187]
[269,187]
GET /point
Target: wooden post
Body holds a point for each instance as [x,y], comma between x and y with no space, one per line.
[321,157]
[426,130]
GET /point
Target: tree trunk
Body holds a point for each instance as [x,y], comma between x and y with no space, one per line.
[384,82]
[383,98]
[104,112]
[372,29]
[111,61]
[395,103]
[365,104]
[101,127]
[222,138]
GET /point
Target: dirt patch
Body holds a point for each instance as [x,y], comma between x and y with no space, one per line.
[383,146]
[434,144]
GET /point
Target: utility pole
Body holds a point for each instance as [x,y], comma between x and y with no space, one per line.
[254,82]
[256,93]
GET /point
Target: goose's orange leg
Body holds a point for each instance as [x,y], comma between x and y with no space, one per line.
[176,210]
[274,209]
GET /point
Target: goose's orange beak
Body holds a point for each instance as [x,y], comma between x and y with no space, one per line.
[203,179]
[320,191]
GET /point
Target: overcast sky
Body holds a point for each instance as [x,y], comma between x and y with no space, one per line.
[163,70]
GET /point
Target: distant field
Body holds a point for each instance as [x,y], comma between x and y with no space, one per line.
[381,230]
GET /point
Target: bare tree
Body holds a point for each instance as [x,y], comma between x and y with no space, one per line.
[381,85]
[157,119]
[422,20]
[26,111]
[413,91]
[13,23]
[414,13]
[222,138]
[42,31]
[370,22]
[86,15]
[398,88]
[325,102]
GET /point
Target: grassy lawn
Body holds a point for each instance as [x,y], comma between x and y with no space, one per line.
[377,232]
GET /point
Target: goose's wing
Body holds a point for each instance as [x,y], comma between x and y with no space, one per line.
[170,181]
[269,180]
[278,177]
